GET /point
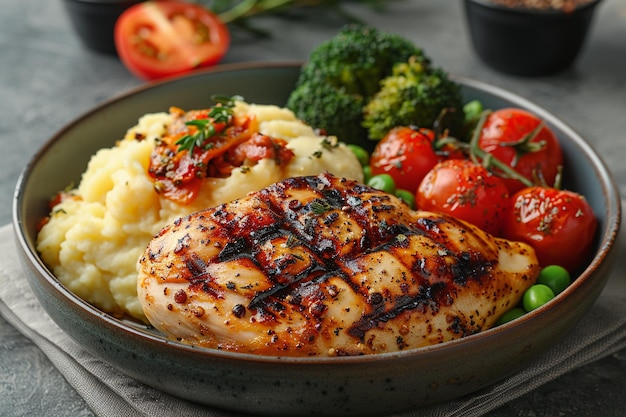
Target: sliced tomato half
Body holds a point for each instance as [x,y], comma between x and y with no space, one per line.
[157,39]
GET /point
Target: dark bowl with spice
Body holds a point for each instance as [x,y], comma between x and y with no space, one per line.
[529,37]
[94,21]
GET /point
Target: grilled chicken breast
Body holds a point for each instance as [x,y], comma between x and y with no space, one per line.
[327,266]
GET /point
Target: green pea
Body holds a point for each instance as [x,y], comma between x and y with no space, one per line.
[406,196]
[361,154]
[536,296]
[472,111]
[367,173]
[511,315]
[556,277]
[383,182]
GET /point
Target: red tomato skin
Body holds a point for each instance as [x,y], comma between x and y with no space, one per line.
[405,153]
[465,190]
[166,51]
[509,125]
[559,224]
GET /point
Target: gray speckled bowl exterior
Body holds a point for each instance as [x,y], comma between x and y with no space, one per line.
[366,385]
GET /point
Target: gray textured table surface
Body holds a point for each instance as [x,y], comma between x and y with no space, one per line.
[47,79]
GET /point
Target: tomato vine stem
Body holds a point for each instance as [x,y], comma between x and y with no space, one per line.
[488,160]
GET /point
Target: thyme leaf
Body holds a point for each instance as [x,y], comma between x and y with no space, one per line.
[320,206]
[329,142]
[291,242]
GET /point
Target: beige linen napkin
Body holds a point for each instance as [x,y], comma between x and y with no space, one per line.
[111,393]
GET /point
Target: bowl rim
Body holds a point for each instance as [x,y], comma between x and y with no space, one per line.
[608,236]
[549,12]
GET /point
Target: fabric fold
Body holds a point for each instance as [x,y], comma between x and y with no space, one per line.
[109,392]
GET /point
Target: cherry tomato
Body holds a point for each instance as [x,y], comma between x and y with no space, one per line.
[559,224]
[155,39]
[507,135]
[465,190]
[406,154]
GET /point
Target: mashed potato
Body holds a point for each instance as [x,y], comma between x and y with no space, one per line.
[94,239]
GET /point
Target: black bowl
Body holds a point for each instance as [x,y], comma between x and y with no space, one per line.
[94,21]
[527,42]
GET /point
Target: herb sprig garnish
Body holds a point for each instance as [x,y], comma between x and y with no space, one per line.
[221,113]
[320,206]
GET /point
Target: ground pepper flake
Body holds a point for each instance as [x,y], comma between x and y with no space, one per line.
[180,297]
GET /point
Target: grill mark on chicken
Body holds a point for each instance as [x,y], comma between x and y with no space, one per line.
[422,301]
[289,226]
[235,249]
[197,269]
[321,265]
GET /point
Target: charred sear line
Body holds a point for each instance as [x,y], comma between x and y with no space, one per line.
[402,229]
[202,284]
[329,273]
[461,328]
[331,218]
[330,200]
[196,267]
[279,288]
[391,236]
[282,264]
[431,225]
[235,249]
[383,208]
[262,235]
[318,272]
[308,231]
[467,268]
[334,198]
[313,182]
[427,297]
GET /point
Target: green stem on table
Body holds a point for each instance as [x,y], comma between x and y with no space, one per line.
[238,11]
[249,8]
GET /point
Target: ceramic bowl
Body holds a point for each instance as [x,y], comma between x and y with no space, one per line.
[94,21]
[527,42]
[359,386]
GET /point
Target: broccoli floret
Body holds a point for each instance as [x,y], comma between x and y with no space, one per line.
[329,108]
[358,57]
[414,94]
[343,73]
